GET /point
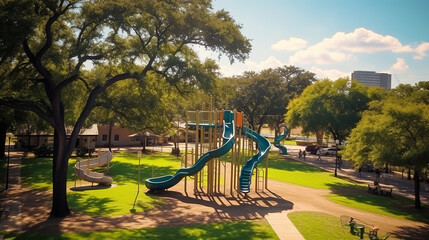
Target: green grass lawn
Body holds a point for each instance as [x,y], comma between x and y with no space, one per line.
[117,200]
[225,230]
[397,207]
[314,225]
[287,170]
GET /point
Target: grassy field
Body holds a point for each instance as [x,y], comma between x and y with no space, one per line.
[314,225]
[118,200]
[291,171]
[254,230]
[397,207]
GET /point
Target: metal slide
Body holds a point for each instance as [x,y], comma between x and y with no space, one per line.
[247,170]
[278,139]
[165,182]
[82,169]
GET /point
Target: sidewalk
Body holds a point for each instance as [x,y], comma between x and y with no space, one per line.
[11,220]
[402,187]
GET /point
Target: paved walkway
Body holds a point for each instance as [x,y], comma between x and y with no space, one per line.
[11,220]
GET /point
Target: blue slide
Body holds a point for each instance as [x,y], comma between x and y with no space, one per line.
[247,170]
[278,139]
[165,182]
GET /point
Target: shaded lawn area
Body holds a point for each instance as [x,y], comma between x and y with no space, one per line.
[316,225]
[117,200]
[225,230]
[290,171]
[397,206]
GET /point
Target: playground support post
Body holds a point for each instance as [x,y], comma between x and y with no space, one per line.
[186,146]
[139,155]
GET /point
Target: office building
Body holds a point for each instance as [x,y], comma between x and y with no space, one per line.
[370,79]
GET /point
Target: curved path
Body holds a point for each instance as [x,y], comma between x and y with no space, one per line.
[182,209]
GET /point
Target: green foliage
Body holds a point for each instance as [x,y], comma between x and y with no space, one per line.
[43,151]
[82,151]
[394,130]
[330,106]
[259,95]
[225,230]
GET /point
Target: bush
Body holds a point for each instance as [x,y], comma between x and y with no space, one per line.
[43,151]
[81,152]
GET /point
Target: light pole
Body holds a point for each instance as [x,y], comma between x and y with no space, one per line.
[9,135]
[336,156]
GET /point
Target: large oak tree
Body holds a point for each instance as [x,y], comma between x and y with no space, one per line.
[395,131]
[57,43]
[332,106]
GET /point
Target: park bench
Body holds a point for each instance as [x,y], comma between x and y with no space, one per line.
[356,229]
[373,189]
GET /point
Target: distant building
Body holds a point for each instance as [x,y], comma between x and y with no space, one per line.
[371,79]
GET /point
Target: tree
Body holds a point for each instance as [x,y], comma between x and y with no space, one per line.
[335,107]
[263,96]
[395,131]
[68,39]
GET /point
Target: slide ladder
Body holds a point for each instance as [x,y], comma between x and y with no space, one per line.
[82,169]
[247,170]
[279,138]
[165,182]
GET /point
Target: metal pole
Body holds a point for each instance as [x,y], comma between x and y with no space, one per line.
[7,167]
[336,157]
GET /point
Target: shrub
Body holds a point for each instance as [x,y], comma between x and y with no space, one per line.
[43,151]
[81,152]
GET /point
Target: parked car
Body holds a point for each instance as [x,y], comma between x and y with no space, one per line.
[328,151]
[312,148]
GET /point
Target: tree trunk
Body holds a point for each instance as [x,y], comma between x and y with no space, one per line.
[319,137]
[3,130]
[60,206]
[409,174]
[417,202]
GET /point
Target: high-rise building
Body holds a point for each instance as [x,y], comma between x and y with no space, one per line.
[369,78]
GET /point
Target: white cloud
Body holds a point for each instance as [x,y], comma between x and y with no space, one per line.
[292,44]
[400,65]
[421,51]
[332,74]
[341,46]
[318,54]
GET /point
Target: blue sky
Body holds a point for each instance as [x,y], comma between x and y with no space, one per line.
[333,38]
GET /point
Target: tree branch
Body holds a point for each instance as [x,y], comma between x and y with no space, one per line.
[28,106]
[91,103]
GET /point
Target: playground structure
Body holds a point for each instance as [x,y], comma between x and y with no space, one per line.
[280,138]
[217,134]
[82,169]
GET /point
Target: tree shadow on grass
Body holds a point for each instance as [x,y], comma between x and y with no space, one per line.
[396,205]
[92,205]
[415,233]
[36,171]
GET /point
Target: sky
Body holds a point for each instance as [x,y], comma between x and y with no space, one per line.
[333,38]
